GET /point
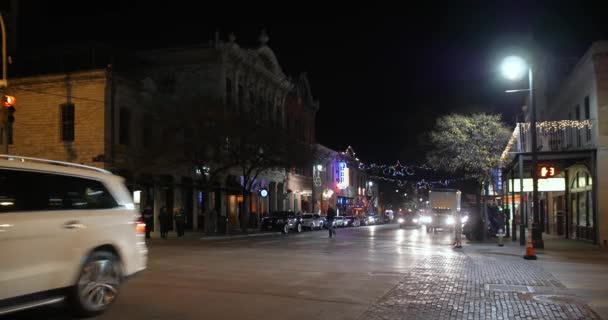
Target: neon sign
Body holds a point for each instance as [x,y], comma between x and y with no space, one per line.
[343,177]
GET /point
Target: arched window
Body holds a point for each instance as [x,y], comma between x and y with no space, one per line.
[581,202]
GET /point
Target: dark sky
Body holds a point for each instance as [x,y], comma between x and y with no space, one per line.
[382,75]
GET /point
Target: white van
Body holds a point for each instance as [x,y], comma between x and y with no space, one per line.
[67,231]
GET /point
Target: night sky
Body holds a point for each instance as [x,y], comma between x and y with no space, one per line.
[382,75]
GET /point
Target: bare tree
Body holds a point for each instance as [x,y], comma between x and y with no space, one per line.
[255,147]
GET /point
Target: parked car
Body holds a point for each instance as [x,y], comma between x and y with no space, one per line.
[312,221]
[351,221]
[339,222]
[67,232]
[283,221]
[368,220]
[409,220]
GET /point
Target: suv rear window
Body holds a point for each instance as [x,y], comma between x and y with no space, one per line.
[37,191]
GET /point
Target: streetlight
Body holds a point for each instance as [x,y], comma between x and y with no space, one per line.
[514,68]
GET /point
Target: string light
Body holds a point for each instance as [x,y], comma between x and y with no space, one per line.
[543,128]
[559,125]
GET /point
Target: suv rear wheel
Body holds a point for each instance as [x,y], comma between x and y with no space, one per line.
[98,284]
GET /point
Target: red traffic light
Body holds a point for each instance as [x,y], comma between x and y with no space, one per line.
[9,101]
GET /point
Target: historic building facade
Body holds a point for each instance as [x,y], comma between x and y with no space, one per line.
[572,135]
[118,118]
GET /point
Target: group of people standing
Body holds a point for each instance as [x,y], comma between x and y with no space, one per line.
[165,219]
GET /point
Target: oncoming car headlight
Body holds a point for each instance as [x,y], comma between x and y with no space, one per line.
[465,219]
[450,220]
[400,220]
[415,220]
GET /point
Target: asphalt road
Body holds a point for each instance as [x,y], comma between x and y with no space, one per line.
[377,272]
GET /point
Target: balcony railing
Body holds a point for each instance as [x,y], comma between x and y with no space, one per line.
[560,135]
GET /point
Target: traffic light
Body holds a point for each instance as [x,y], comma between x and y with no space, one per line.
[546,171]
[8,103]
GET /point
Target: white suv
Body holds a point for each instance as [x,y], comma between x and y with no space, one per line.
[67,231]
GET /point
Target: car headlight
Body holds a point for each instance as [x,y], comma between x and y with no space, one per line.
[415,220]
[400,220]
[465,219]
[450,220]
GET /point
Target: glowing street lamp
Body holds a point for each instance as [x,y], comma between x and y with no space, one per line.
[514,67]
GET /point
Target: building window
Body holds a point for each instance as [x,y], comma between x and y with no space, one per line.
[124,124]
[228,91]
[251,99]
[269,107]
[147,131]
[241,97]
[67,122]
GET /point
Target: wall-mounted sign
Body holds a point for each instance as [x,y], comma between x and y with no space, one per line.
[343,176]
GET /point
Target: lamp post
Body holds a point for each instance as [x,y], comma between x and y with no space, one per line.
[316,182]
[3,83]
[515,68]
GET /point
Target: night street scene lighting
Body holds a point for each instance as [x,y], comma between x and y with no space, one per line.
[282,163]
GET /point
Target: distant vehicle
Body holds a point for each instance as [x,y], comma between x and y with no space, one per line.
[67,232]
[409,220]
[368,220]
[339,222]
[312,221]
[351,221]
[444,206]
[283,221]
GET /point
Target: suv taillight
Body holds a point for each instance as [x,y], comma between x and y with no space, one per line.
[140,225]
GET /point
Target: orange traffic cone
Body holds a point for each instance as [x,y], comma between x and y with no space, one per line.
[529,249]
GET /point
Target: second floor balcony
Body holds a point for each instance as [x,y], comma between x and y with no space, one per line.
[562,135]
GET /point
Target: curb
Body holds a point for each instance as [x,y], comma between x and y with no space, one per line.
[241,236]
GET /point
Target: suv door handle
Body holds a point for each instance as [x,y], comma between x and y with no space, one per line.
[74,224]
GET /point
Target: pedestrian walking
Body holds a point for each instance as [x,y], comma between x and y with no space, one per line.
[148,215]
[165,219]
[458,231]
[179,215]
[331,216]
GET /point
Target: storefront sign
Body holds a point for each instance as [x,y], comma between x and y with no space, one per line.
[344,175]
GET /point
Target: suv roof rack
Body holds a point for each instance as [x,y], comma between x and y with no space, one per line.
[55,162]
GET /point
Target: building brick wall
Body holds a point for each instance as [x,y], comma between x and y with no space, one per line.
[37,127]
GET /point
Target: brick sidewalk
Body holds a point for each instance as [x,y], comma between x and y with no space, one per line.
[469,285]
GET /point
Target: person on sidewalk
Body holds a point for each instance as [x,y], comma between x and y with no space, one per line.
[165,219]
[180,221]
[331,216]
[148,216]
[458,231]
